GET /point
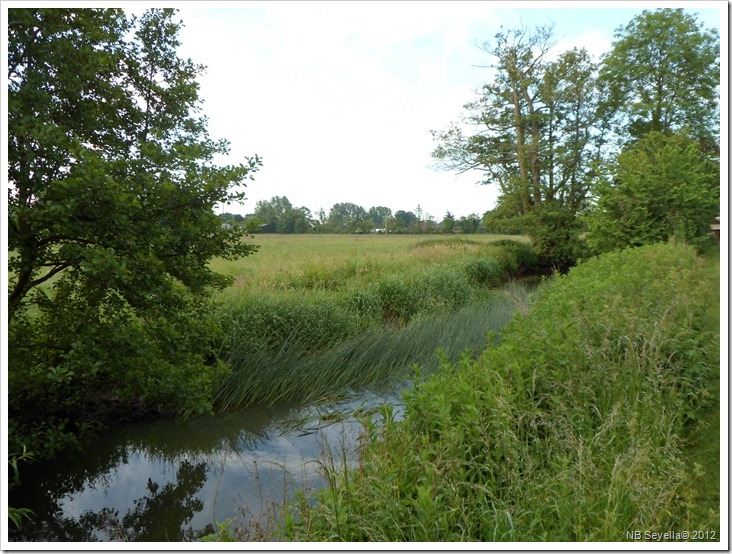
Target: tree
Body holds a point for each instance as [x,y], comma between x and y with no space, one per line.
[469,224]
[111,223]
[232,219]
[448,223]
[286,219]
[662,74]
[404,221]
[346,217]
[297,220]
[663,187]
[379,214]
[321,221]
[273,210]
[536,134]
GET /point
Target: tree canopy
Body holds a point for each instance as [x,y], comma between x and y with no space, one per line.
[541,130]
[279,213]
[112,189]
[660,187]
[662,74]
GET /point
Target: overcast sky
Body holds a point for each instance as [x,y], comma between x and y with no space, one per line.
[338,98]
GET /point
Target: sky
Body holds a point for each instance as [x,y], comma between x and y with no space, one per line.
[339,98]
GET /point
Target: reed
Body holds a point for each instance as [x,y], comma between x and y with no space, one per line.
[301,367]
[315,327]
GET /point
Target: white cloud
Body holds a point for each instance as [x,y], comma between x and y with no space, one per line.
[339,97]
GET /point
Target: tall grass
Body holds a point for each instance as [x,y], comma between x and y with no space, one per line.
[313,327]
[572,429]
[302,368]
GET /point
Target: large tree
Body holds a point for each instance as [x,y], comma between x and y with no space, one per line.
[662,74]
[346,217]
[534,132]
[379,215]
[112,189]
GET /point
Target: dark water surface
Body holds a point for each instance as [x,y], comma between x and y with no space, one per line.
[171,480]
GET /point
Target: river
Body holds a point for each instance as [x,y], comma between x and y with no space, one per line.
[171,480]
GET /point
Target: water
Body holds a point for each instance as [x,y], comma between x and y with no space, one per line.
[172,480]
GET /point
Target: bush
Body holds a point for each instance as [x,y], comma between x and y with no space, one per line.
[400,297]
[484,271]
[664,187]
[77,366]
[523,258]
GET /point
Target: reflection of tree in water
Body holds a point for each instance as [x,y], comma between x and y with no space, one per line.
[161,515]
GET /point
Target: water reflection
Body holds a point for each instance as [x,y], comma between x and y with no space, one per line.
[171,480]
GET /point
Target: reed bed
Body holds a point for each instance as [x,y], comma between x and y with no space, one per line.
[300,368]
[314,328]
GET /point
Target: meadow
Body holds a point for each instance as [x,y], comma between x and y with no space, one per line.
[311,314]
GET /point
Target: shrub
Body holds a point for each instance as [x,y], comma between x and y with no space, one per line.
[524,257]
[664,187]
[400,297]
[484,271]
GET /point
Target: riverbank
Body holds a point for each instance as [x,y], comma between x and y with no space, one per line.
[575,428]
[307,318]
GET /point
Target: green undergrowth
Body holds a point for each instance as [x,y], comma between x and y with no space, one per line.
[575,428]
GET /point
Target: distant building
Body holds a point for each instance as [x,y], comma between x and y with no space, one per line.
[268,228]
[227,226]
[714,228]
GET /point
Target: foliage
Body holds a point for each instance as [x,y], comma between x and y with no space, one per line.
[538,136]
[16,515]
[380,215]
[346,217]
[569,430]
[111,216]
[329,322]
[448,223]
[469,224]
[556,233]
[663,187]
[516,258]
[484,271]
[662,74]
[310,364]
[285,218]
[404,221]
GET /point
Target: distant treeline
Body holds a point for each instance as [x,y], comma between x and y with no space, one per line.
[278,215]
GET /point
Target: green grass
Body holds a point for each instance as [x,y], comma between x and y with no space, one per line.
[299,368]
[337,261]
[574,428]
[703,438]
[326,312]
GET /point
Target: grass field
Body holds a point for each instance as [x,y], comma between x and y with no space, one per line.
[311,313]
[288,257]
